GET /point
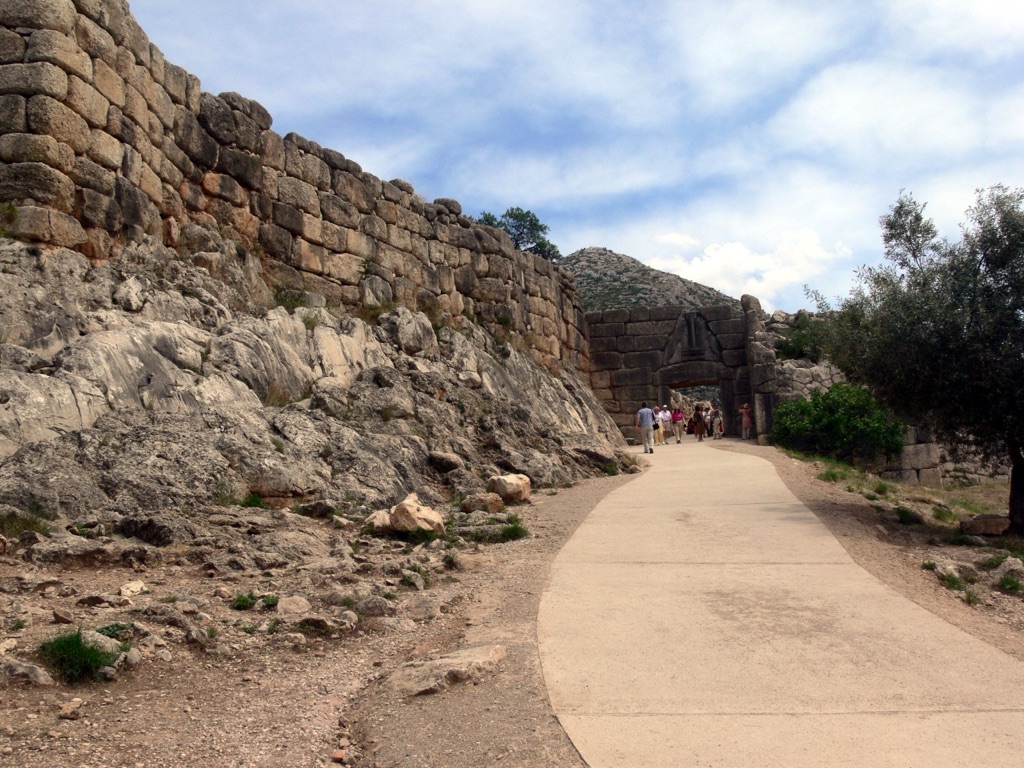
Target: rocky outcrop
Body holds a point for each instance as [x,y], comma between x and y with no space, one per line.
[609,280]
[143,385]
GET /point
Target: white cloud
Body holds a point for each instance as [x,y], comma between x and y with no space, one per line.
[684,243]
[878,113]
[736,269]
[988,29]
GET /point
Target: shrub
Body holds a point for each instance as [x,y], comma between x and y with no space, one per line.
[844,422]
[1010,584]
[243,602]
[13,524]
[270,601]
[72,659]
[943,514]
[255,500]
[514,530]
[289,298]
[951,581]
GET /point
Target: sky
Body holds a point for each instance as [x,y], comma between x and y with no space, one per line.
[751,146]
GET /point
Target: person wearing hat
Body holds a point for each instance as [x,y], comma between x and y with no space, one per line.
[665,419]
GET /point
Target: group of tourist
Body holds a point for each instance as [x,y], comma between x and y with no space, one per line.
[657,425]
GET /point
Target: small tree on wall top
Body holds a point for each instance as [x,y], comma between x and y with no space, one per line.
[937,332]
[525,229]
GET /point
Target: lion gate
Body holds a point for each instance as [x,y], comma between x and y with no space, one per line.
[642,353]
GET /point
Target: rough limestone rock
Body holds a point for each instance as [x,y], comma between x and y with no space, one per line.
[985,525]
[153,404]
[14,670]
[482,502]
[407,515]
[435,675]
[293,605]
[510,488]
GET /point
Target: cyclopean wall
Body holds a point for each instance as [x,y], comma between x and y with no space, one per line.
[103,142]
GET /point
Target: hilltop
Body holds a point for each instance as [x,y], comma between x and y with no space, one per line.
[608,280]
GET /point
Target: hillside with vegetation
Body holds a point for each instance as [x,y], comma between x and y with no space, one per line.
[609,280]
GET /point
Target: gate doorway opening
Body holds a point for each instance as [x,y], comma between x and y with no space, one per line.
[718,393]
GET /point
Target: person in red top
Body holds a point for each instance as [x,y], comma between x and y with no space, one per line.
[678,424]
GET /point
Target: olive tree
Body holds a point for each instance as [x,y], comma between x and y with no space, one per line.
[937,331]
[525,229]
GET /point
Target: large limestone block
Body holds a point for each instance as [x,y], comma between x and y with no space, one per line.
[59,15]
[412,331]
[48,116]
[510,488]
[57,48]
[88,102]
[985,525]
[38,181]
[40,78]
[410,515]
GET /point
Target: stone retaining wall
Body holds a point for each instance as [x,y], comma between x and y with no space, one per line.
[105,142]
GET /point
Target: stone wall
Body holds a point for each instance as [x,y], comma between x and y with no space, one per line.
[641,354]
[103,142]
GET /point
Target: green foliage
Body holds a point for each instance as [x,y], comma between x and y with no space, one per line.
[270,602]
[907,517]
[802,341]
[14,524]
[943,514]
[1010,584]
[255,500]
[525,229]
[72,659]
[117,630]
[936,332]
[929,565]
[18,624]
[289,298]
[992,562]
[843,422]
[951,581]
[8,215]
[243,602]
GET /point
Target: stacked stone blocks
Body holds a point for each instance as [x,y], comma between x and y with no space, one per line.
[639,354]
[104,142]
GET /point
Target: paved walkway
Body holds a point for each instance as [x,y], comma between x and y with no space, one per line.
[703,616]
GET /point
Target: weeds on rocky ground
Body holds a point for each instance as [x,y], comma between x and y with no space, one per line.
[12,525]
[73,660]
[243,602]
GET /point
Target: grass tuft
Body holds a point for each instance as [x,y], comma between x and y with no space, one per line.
[72,659]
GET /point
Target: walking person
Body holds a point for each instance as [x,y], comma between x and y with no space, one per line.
[716,424]
[645,423]
[678,424]
[665,420]
[698,423]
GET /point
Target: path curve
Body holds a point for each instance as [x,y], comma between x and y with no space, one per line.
[703,616]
